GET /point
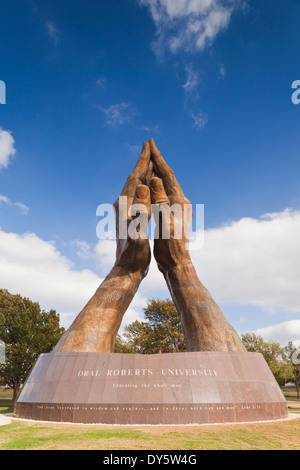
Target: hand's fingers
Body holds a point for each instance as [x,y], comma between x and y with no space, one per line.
[142,200]
[139,174]
[160,164]
[162,216]
[140,213]
[142,165]
[164,171]
[158,193]
[150,173]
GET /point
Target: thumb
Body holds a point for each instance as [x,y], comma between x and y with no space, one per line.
[158,193]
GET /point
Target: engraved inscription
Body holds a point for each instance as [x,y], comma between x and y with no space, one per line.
[149,373]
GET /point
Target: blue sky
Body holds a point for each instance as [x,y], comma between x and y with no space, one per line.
[88,82]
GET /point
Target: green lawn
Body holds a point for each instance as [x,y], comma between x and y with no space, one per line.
[6,405]
[5,394]
[269,436]
[290,394]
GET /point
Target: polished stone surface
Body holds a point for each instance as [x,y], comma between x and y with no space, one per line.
[183,388]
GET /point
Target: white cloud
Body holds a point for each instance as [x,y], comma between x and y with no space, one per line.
[53,32]
[84,249]
[134,149]
[105,253]
[23,208]
[189,24]
[192,81]
[101,82]
[222,71]
[242,320]
[200,120]
[7,148]
[254,262]
[118,114]
[35,268]
[192,98]
[282,333]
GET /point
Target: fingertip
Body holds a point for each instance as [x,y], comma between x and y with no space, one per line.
[155,153]
[142,191]
[146,146]
[158,193]
[156,184]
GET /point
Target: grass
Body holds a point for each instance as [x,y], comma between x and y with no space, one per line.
[268,436]
[290,394]
[6,404]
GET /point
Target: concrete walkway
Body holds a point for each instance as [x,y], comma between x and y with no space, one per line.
[4,420]
[294,405]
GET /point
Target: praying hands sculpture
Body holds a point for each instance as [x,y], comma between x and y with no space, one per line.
[205,328]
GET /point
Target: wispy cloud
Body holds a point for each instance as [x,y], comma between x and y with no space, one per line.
[152,129]
[200,120]
[192,81]
[222,71]
[135,149]
[23,208]
[117,115]
[101,83]
[121,114]
[7,148]
[84,249]
[53,32]
[242,320]
[191,102]
[189,24]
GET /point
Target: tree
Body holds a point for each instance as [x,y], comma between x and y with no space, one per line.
[273,353]
[27,331]
[295,368]
[161,332]
[122,347]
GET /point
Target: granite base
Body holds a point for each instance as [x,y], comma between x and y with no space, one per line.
[182,388]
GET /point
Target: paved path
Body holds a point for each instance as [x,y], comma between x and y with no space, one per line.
[294,405]
[4,420]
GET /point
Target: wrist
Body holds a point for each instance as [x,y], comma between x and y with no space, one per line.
[177,267]
[185,285]
[135,274]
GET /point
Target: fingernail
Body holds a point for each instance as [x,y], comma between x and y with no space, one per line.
[156,184]
[142,191]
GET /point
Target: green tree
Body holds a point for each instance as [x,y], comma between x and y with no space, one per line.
[27,331]
[294,368]
[273,353]
[122,347]
[161,331]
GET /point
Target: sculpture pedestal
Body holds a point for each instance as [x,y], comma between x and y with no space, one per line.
[183,388]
